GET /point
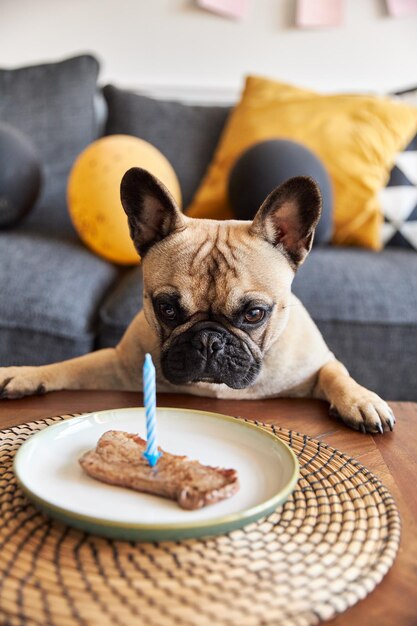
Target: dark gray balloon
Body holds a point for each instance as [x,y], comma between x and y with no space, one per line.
[20,175]
[266,165]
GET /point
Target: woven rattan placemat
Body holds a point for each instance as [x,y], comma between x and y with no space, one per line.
[324,550]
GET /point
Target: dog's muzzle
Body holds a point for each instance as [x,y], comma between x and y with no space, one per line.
[209,352]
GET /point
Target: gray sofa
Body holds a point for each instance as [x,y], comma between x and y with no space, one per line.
[59,300]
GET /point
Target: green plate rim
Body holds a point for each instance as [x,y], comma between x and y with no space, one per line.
[203,527]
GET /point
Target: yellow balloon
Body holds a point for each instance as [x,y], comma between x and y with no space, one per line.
[94,193]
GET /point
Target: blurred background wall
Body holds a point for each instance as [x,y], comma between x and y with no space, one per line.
[171,47]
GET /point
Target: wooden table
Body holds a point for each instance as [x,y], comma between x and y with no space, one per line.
[392,457]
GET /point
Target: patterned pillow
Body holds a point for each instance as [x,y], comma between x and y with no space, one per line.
[399,198]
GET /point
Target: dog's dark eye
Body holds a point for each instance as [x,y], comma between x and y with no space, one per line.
[167,311]
[253,316]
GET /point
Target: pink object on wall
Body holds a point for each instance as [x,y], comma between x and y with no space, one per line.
[317,13]
[400,8]
[229,8]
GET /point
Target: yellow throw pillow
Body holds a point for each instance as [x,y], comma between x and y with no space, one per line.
[355,136]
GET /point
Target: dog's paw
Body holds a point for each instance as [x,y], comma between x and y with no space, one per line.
[364,411]
[17,382]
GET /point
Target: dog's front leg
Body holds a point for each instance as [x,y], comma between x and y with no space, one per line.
[98,370]
[358,407]
[110,368]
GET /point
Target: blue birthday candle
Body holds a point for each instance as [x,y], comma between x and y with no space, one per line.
[152,453]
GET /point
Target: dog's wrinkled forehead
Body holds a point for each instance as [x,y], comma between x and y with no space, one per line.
[213,264]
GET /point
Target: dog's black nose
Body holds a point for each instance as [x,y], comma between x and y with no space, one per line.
[209,342]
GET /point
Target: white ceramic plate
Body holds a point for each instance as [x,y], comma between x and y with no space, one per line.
[47,469]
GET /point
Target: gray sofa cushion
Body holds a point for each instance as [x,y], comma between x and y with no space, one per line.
[120,307]
[186,134]
[51,290]
[380,357]
[365,304]
[53,104]
[359,286]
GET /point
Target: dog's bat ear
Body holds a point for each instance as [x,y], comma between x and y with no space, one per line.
[151,210]
[288,217]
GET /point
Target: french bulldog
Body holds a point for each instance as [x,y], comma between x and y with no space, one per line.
[219,317]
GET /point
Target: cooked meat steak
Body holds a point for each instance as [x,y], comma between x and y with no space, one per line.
[118,460]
